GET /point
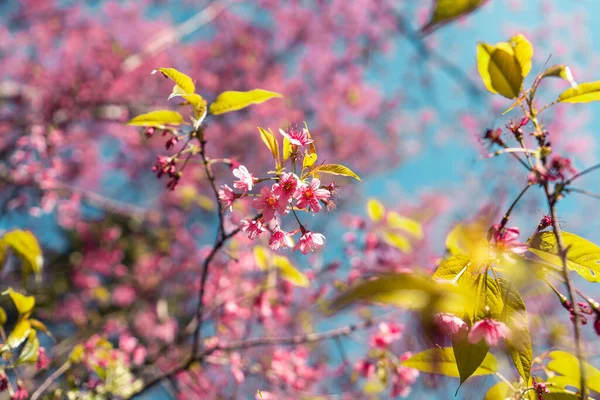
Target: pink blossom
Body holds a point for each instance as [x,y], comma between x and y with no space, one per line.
[296,136]
[597,324]
[246,181]
[386,335]
[280,238]
[227,196]
[559,166]
[3,381]
[252,228]
[490,330]
[20,394]
[43,360]
[287,186]
[309,241]
[268,203]
[311,194]
[139,355]
[365,368]
[450,323]
[507,239]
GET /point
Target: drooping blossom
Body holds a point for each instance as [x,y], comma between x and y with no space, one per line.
[268,203]
[507,239]
[298,137]
[388,332]
[43,361]
[309,241]
[20,394]
[287,186]
[450,323]
[559,166]
[227,197]
[311,194]
[252,228]
[490,330]
[279,239]
[246,181]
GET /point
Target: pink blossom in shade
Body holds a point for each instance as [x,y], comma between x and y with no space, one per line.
[540,388]
[3,381]
[127,343]
[297,137]
[268,203]
[507,239]
[559,166]
[450,323]
[252,228]
[124,295]
[490,330]
[139,355]
[365,368]
[43,360]
[279,239]
[246,181]
[311,194]
[597,324]
[236,367]
[309,241]
[227,196]
[287,186]
[20,394]
[388,333]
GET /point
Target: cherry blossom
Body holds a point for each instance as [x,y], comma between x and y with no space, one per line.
[297,137]
[311,194]
[450,323]
[490,330]
[268,203]
[246,181]
[279,239]
[227,197]
[252,228]
[309,242]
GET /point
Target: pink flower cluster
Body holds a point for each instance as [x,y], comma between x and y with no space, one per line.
[490,330]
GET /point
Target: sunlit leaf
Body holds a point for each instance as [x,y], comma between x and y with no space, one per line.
[488,297]
[442,361]
[309,159]
[261,257]
[19,333]
[180,79]
[30,350]
[445,11]
[271,143]
[454,268]
[468,356]
[2,316]
[560,71]
[396,221]
[583,93]
[157,119]
[26,247]
[373,386]
[523,52]
[40,326]
[500,391]
[514,315]
[567,365]
[287,149]
[311,147]
[24,304]
[398,241]
[288,272]
[232,100]
[375,210]
[583,256]
[335,169]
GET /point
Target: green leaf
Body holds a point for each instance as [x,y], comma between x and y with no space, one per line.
[515,316]
[560,71]
[180,79]
[287,149]
[335,169]
[583,256]
[26,247]
[468,356]
[375,210]
[261,257]
[450,268]
[584,93]
[30,350]
[374,386]
[488,297]
[18,335]
[271,143]
[2,316]
[309,159]
[396,221]
[445,11]
[500,391]
[288,272]
[40,326]
[523,52]
[232,101]
[157,119]
[442,361]
[398,241]
[567,365]
[499,69]
[24,304]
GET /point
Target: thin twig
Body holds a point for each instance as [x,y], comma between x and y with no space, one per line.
[514,203]
[55,375]
[585,171]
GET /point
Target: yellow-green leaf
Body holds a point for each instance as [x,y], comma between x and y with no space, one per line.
[488,297]
[26,247]
[445,11]
[261,257]
[468,356]
[311,147]
[398,241]
[567,365]
[375,210]
[24,304]
[454,268]
[19,333]
[523,52]
[232,100]
[2,316]
[502,67]
[373,386]
[271,143]
[40,326]
[583,93]
[157,119]
[287,149]
[500,391]
[583,256]
[335,169]
[442,361]
[560,71]
[30,350]
[288,272]
[180,79]
[309,159]
[396,221]
[519,344]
